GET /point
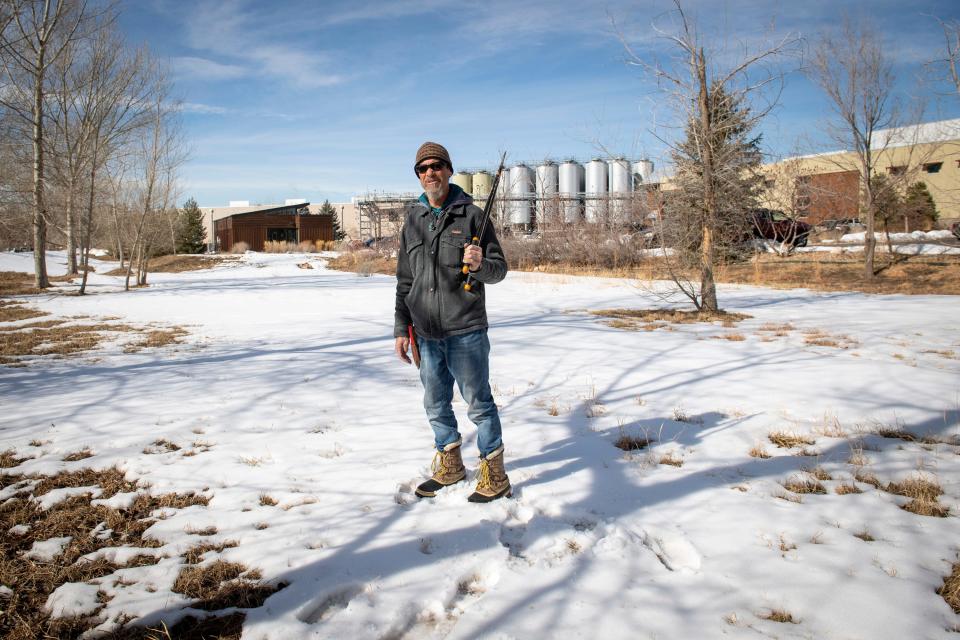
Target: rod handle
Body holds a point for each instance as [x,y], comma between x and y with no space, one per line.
[465,270]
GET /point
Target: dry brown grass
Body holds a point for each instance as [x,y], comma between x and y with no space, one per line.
[950,591]
[779,615]
[32,581]
[923,494]
[178,264]
[819,473]
[629,442]
[804,485]
[364,262]
[12,311]
[194,555]
[897,432]
[220,585]
[671,459]
[846,488]
[651,319]
[206,531]
[819,338]
[867,478]
[9,459]
[864,535]
[75,456]
[758,451]
[789,439]
[156,338]
[268,501]
[14,283]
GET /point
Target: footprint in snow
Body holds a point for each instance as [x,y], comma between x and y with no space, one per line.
[327,605]
[673,550]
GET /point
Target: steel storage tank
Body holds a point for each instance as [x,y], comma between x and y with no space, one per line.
[548,181]
[571,186]
[620,188]
[642,170]
[463,180]
[596,190]
[521,194]
[482,184]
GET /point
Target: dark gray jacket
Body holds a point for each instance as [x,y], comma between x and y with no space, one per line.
[430,293]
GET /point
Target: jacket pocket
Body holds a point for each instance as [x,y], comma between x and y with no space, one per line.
[451,252]
[415,258]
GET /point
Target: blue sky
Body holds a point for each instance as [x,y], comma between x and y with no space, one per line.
[328,99]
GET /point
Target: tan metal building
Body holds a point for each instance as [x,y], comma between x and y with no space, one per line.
[827,186]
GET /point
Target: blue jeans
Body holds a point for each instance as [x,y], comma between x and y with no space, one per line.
[464,359]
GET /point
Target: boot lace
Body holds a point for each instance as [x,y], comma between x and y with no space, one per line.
[483,475]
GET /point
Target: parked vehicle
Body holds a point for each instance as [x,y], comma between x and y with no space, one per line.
[771,224]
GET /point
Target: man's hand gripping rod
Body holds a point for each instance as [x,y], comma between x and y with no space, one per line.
[468,284]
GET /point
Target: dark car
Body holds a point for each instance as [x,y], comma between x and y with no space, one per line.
[771,224]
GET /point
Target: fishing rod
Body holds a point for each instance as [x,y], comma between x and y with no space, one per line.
[488,207]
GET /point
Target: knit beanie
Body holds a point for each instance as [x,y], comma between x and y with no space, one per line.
[432,150]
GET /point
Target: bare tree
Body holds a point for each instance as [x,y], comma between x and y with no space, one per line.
[854,70]
[37,34]
[951,41]
[715,103]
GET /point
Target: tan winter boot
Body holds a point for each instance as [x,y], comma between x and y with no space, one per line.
[492,480]
[447,469]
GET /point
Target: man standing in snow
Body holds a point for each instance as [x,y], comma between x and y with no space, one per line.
[450,322]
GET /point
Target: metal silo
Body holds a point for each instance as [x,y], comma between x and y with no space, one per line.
[571,186]
[548,182]
[620,188]
[642,170]
[521,192]
[463,180]
[482,184]
[596,190]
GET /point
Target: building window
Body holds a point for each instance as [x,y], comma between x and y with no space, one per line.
[932,167]
[897,171]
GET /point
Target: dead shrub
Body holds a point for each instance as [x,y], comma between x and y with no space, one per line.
[240,247]
[631,443]
[846,488]
[923,494]
[804,485]
[950,591]
[758,451]
[779,615]
[789,440]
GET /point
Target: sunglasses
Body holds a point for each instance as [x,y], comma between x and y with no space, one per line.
[436,166]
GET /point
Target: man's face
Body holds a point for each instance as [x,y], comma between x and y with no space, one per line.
[434,176]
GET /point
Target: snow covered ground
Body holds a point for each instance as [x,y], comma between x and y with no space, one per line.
[288,387]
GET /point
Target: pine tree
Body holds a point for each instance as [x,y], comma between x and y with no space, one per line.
[888,209]
[191,236]
[919,209]
[328,209]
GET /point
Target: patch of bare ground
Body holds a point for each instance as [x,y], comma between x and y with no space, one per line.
[194,555]
[789,439]
[156,338]
[950,591]
[923,493]
[778,329]
[364,262]
[91,528]
[779,615]
[820,338]
[12,311]
[179,264]
[227,627]
[220,585]
[652,319]
[18,345]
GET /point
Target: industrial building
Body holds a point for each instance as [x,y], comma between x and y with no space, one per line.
[826,186]
[255,225]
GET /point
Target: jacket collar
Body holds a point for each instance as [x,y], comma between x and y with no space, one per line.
[455,197]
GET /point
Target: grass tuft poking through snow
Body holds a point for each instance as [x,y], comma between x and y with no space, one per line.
[779,615]
[804,485]
[923,494]
[789,439]
[758,451]
[950,591]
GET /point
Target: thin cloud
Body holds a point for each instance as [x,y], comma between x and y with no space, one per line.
[196,107]
[206,69]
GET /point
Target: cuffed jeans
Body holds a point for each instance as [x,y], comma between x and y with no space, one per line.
[464,359]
